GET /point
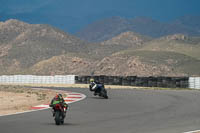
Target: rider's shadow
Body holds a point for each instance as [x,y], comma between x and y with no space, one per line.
[96,97]
[65,124]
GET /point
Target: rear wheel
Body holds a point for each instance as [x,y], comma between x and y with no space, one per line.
[104,94]
[106,97]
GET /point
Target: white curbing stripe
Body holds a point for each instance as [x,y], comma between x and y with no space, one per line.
[71,97]
[22,112]
[46,106]
[196,131]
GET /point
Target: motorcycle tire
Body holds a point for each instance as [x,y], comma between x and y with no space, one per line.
[57,118]
[106,97]
[62,122]
[104,94]
[63,117]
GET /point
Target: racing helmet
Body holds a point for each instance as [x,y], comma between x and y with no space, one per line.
[60,96]
[91,80]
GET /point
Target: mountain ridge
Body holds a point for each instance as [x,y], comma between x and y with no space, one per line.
[44,50]
[104,29]
[26,44]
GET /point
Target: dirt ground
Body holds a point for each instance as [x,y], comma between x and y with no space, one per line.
[17,98]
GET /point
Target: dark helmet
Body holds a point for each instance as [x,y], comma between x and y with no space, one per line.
[60,96]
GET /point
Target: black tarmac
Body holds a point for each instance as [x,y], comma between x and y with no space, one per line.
[126,111]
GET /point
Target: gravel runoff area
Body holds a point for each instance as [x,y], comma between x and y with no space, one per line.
[20,98]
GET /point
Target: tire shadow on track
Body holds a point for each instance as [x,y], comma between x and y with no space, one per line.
[92,97]
[65,124]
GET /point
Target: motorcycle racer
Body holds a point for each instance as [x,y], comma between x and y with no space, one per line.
[95,86]
[58,99]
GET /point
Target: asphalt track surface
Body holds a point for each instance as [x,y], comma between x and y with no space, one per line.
[126,111]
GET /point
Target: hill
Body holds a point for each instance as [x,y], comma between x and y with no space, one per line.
[173,55]
[178,43]
[44,50]
[123,41]
[63,64]
[148,63]
[156,29]
[129,39]
[124,63]
[22,45]
[192,22]
[105,29]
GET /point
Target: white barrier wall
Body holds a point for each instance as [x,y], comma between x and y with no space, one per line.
[194,82]
[32,79]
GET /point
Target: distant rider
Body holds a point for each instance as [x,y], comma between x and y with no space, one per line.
[95,86]
[58,99]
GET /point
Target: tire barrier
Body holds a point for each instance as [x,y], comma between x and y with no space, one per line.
[194,82]
[166,82]
[33,79]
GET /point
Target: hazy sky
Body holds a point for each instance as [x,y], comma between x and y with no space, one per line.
[77,13]
[157,9]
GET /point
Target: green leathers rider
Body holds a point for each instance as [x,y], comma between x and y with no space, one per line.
[58,99]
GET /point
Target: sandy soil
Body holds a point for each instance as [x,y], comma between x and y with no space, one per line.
[17,99]
[78,86]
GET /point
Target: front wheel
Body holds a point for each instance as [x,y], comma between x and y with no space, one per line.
[58,117]
[62,122]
